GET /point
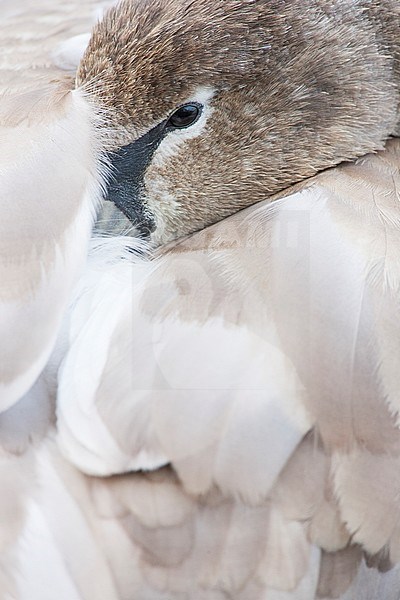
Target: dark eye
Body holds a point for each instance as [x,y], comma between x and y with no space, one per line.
[185,116]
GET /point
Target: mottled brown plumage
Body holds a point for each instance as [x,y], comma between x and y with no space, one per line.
[299,86]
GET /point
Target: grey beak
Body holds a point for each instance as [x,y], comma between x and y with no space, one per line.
[126,183]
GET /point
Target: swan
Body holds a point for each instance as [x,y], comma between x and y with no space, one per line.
[205,407]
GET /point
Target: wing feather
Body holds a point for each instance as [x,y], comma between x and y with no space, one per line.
[255,358]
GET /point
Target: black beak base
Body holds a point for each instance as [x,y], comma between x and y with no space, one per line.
[126,184]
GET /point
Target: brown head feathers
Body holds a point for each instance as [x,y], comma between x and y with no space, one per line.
[285,88]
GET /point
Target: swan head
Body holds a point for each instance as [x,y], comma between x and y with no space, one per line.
[213,105]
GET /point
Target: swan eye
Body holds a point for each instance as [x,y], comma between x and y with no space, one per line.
[185,116]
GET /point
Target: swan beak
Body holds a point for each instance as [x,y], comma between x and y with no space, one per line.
[126,183]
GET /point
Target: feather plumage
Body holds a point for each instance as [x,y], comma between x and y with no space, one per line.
[249,296]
